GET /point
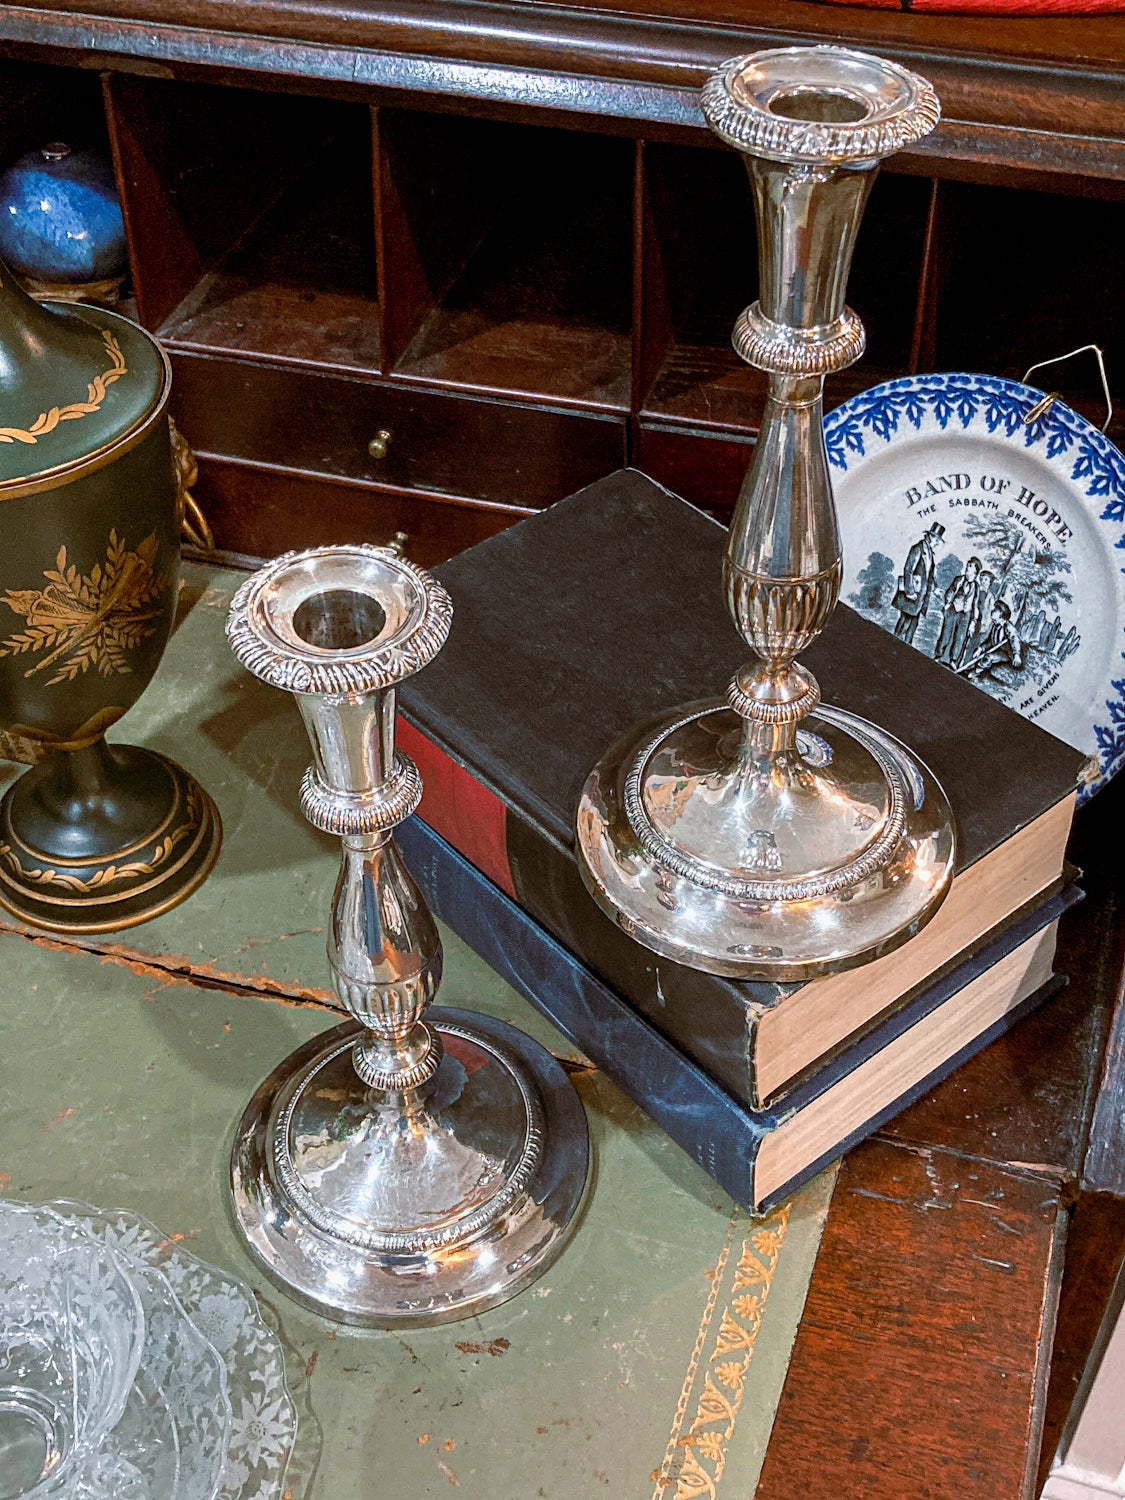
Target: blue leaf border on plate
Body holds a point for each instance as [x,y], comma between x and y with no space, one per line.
[962,400]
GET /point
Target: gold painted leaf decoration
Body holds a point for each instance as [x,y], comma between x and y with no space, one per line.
[713,1406]
[89,620]
[711,1445]
[748,1308]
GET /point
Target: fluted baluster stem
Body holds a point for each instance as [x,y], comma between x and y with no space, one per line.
[784,563]
[386,959]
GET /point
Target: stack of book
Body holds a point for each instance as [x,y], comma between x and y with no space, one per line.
[572,627]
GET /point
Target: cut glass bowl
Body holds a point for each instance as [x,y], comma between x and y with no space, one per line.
[171,1440]
[71,1335]
[208,1412]
[263,1459]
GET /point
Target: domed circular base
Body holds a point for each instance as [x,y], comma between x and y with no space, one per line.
[776,867]
[104,838]
[386,1217]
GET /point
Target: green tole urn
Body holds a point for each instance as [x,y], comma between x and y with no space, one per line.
[94,836]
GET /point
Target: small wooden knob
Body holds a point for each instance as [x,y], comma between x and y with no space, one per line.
[379,444]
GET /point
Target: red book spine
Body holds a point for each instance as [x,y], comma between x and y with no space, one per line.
[455,804]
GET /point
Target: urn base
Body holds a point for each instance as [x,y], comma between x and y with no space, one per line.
[409,1208]
[102,838]
[753,865]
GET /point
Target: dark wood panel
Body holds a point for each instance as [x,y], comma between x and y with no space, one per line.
[1080,40]
[883,284]
[440,184]
[196,165]
[919,1369]
[701,266]
[652,305]
[1056,81]
[1029,1096]
[704,383]
[301,286]
[571,358]
[1043,1094]
[441,443]
[259,512]
[278,321]
[932,274]
[45,103]
[531,34]
[1096,846]
[1103,1170]
[707,471]
[544,303]
[1004,323]
[1009,157]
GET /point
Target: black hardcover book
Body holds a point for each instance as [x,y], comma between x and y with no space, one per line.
[577,623]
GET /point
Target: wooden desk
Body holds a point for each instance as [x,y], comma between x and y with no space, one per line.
[299,324]
[922,1369]
[960,1237]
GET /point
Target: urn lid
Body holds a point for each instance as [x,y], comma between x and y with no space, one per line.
[76,384]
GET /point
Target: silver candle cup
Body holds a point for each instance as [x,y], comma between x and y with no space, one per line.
[408,1166]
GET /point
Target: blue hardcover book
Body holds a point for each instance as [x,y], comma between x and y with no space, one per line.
[758,1156]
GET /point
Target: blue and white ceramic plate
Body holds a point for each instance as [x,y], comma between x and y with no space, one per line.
[992,545]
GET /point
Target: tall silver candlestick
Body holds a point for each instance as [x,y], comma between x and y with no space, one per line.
[757,838]
[406,1167]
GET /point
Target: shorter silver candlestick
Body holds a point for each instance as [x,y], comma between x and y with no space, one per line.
[392,1171]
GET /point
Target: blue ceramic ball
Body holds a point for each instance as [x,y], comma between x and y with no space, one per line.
[60,219]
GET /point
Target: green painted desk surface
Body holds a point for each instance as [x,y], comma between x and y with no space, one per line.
[648,1362]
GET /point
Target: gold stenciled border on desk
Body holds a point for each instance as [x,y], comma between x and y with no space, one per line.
[695,1458]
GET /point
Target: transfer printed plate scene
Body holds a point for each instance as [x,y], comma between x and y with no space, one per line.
[992,544]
